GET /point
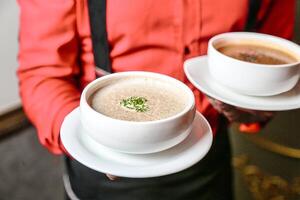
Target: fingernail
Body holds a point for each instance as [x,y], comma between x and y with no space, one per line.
[111,177]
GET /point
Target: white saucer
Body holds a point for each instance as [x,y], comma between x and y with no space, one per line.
[103,159]
[196,70]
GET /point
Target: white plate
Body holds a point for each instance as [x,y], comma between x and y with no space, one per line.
[102,159]
[196,70]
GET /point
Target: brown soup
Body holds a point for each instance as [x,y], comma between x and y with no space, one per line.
[257,54]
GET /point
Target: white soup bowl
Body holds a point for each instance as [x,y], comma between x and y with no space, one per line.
[131,136]
[251,78]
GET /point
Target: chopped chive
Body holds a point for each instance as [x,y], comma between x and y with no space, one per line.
[135,103]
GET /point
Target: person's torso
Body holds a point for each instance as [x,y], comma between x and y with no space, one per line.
[159,36]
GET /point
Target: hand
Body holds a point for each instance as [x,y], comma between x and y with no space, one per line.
[111,177]
[235,114]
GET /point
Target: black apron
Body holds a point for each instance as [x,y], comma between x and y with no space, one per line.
[209,179]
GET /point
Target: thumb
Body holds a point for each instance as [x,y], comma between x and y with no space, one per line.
[111,177]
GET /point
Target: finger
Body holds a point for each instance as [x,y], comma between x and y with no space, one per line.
[231,116]
[258,112]
[214,101]
[218,105]
[111,177]
[269,114]
[209,97]
[214,104]
[262,115]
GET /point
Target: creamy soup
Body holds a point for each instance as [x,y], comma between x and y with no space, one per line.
[257,54]
[139,99]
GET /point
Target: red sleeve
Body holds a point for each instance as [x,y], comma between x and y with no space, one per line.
[275,17]
[47,65]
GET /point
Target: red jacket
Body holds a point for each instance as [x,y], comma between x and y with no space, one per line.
[56,59]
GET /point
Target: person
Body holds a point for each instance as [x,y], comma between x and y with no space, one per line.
[56,62]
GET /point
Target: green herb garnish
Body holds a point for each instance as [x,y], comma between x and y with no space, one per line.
[135,103]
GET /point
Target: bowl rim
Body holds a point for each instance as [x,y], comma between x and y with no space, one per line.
[258,37]
[190,105]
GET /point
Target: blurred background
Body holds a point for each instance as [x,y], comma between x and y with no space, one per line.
[266,166]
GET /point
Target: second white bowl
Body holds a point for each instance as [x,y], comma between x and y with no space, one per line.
[251,78]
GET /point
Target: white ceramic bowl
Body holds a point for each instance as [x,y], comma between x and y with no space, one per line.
[136,137]
[250,78]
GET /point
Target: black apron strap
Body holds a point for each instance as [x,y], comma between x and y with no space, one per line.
[97,13]
[254,6]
